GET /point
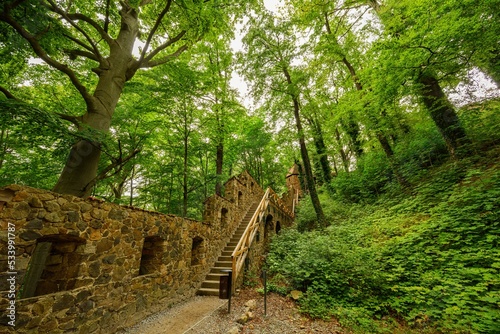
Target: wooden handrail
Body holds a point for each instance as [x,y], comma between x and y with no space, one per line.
[241,251]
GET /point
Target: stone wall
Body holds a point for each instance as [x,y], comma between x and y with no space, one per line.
[274,220]
[103,267]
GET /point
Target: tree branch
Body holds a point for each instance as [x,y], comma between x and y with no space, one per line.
[117,163]
[77,41]
[153,31]
[73,54]
[168,58]
[164,46]
[106,19]
[8,94]
[64,14]
[40,52]
[73,119]
[95,25]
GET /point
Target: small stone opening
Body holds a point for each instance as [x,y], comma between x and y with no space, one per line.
[197,251]
[152,252]
[240,198]
[268,227]
[278,227]
[54,265]
[223,216]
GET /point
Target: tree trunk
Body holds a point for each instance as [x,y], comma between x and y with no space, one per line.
[307,167]
[79,174]
[443,114]
[352,130]
[319,143]
[185,162]
[305,157]
[384,142]
[345,161]
[218,167]
[131,201]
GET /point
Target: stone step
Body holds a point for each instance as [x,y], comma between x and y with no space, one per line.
[207,292]
[217,270]
[223,264]
[215,276]
[210,287]
[210,284]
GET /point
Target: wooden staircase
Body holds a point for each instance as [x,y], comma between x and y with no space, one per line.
[210,286]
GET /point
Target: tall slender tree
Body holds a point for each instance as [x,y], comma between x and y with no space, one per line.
[271,52]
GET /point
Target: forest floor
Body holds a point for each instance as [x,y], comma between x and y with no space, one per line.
[209,315]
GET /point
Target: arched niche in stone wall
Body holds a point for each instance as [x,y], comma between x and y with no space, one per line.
[197,251]
[278,227]
[268,226]
[54,265]
[152,253]
[223,216]
[239,198]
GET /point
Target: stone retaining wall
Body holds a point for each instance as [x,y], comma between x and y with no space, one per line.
[103,267]
[106,266]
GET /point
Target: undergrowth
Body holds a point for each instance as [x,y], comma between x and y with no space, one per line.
[427,262]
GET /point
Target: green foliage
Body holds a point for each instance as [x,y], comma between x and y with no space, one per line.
[447,267]
[367,181]
[30,139]
[431,259]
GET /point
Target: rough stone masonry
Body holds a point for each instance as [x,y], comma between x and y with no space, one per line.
[88,266]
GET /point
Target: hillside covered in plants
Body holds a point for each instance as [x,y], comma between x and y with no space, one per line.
[420,261]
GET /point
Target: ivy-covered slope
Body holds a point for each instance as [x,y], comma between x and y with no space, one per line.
[427,261]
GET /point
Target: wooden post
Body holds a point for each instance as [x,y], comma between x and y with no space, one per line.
[35,269]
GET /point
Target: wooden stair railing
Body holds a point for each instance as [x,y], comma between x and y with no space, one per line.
[241,251]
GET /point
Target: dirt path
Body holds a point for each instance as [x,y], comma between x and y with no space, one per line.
[178,319]
[208,315]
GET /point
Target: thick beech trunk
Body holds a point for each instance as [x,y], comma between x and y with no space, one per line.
[443,114]
[79,174]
